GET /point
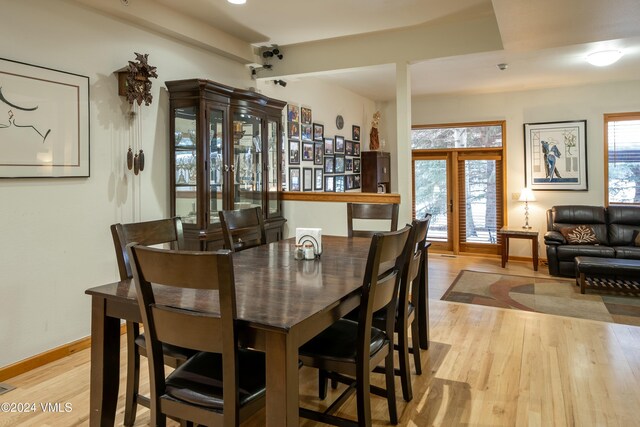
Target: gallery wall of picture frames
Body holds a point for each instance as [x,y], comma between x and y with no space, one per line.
[315,161]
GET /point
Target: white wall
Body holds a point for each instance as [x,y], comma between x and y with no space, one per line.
[55,233]
[326,102]
[550,105]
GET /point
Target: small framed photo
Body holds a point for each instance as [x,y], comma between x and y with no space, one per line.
[307,179]
[328,146]
[329,183]
[356,181]
[355,133]
[356,149]
[339,183]
[349,184]
[305,116]
[305,132]
[318,152]
[338,164]
[348,164]
[294,130]
[294,179]
[293,113]
[356,165]
[328,164]
[339,148]
[318,132]
[348,148]
[307,150]
[317,178]
[294,152]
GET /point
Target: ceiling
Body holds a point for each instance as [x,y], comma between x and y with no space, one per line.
[544,42]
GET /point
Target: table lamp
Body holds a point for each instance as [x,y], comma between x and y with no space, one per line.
[526,196]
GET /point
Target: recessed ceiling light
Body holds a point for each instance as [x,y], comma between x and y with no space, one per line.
[604,57]
[237,1]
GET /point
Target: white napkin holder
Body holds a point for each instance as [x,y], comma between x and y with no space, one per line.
[310,235]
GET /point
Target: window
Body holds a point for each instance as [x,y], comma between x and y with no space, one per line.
[622,166]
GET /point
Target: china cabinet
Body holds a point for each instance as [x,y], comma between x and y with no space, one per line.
[224,155]
[376,172]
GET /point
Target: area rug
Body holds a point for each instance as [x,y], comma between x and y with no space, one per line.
[545,295]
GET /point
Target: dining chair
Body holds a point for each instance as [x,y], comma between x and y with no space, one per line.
[347,351]
[420,293]
[163,231]
[374,211]
[242,229]
[222,384]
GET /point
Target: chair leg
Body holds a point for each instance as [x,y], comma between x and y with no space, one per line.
[415,337]
[363,393]
[403,358]
[322,384]
[133,374]
[391,388]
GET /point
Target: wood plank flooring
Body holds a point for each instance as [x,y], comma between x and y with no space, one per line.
[485,367]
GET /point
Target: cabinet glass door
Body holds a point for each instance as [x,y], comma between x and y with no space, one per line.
[186,164]
[272,167]
[216,168]
[247,161]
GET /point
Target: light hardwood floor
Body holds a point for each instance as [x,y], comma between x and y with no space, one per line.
[485,367]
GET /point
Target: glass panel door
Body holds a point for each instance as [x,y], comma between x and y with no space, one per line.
[247,161]
[272,167]
[479,198]
[431,195]
[216,168]
[186,164]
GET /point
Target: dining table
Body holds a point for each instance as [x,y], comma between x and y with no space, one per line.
[281,304]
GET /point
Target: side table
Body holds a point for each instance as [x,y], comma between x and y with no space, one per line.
[508,232]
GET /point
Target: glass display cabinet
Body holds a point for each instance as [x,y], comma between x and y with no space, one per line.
[224,155]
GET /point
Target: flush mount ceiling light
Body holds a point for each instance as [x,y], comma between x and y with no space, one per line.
[604,57]
[237,1]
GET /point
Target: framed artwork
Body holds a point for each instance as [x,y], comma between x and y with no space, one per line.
[339,145]
[307,150]
[355,133]
[556,155]
[329,183]
[305,132]
[294,130]
[356,165]
[317,153]
[356,181]
[349,182]
[318,132]
[348,148]
[44,127]
[328,146]
[307,179]
[338,164]
[328,164]
[294,179]
[348,164]
[294,152]
[339,183]
[305,116]
[293,113]
[317,178]
[356,149]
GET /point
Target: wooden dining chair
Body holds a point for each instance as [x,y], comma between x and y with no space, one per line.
[348,351]
[223,384]
[158,232]
[375,211]
[243,229]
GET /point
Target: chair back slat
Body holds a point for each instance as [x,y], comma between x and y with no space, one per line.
[184,329]
[148,233]
[243,229]
[371,211]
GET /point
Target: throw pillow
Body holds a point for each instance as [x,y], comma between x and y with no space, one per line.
[635,240]
[580,235]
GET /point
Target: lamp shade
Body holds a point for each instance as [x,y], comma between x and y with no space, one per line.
[526,195]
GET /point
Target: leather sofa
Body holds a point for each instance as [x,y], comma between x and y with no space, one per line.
[613,226]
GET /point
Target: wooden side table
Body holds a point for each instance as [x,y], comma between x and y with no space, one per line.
[508,232]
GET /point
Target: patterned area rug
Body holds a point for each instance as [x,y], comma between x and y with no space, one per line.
[558,296]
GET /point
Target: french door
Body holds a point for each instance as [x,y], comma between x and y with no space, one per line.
[464,193]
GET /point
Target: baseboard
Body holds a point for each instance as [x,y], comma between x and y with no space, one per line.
[49,356]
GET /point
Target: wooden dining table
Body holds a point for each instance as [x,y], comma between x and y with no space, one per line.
[281,304]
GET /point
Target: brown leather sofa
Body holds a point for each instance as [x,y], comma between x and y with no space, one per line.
[613,226]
